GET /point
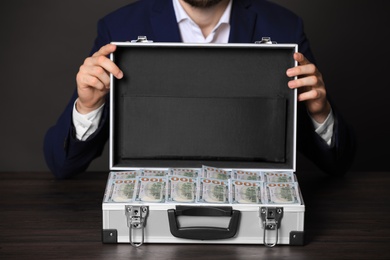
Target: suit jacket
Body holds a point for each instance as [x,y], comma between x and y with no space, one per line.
[250,21]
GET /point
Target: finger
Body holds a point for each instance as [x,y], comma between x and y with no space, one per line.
[310,95]
[302,82]
[105,50]
[300,58]
[100,58]
[101,64]
[306,69]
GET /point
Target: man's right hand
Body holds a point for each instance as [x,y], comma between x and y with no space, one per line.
[93,79]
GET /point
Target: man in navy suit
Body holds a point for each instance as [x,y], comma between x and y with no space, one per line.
[81,132]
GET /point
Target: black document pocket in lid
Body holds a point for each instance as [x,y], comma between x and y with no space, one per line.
[204,128]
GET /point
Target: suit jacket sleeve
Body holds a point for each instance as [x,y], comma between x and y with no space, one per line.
[65,155]
[335,159]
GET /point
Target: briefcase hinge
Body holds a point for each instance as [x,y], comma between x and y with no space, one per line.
[136,219]
[271,218]
[265,40]
[142,39]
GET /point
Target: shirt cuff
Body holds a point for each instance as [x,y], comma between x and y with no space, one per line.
[325,130]
[86,124]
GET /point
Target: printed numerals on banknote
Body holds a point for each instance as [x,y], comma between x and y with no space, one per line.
[122,190]
[247,192]
[150,189]
[181,189]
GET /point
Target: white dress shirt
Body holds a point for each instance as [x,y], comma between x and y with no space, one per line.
[191,33]
[86,125]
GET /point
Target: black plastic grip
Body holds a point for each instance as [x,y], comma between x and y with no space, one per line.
[203,232]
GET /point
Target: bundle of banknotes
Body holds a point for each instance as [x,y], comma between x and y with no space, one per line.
[204,185]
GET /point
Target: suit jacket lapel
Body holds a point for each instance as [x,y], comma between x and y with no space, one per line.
[163,19]
[242,22]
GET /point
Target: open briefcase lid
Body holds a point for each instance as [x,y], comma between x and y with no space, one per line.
[188,105]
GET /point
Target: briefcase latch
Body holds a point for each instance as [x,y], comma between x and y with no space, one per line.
[136,219]
[271,218]
[265,40]
[141,39]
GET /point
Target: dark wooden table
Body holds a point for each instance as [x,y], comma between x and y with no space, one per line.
[43,218]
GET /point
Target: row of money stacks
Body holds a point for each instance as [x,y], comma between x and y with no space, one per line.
[204,185]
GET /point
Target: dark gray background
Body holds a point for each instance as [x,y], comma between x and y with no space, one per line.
[43,43]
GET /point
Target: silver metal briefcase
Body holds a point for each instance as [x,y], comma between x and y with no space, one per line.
[193,106]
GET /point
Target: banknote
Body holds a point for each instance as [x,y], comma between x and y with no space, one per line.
[215,173]
[188,172]
[282,192]
[126,175]
[181,189]
[247,175]
[213,190]
[122,190]
[153,172]
[150,189]
[247,192]
[278,177]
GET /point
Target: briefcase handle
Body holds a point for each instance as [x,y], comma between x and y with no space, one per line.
[203,232]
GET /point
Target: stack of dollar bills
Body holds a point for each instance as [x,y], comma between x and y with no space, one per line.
[203,185]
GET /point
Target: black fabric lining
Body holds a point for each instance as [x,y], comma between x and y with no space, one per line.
[239,128]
